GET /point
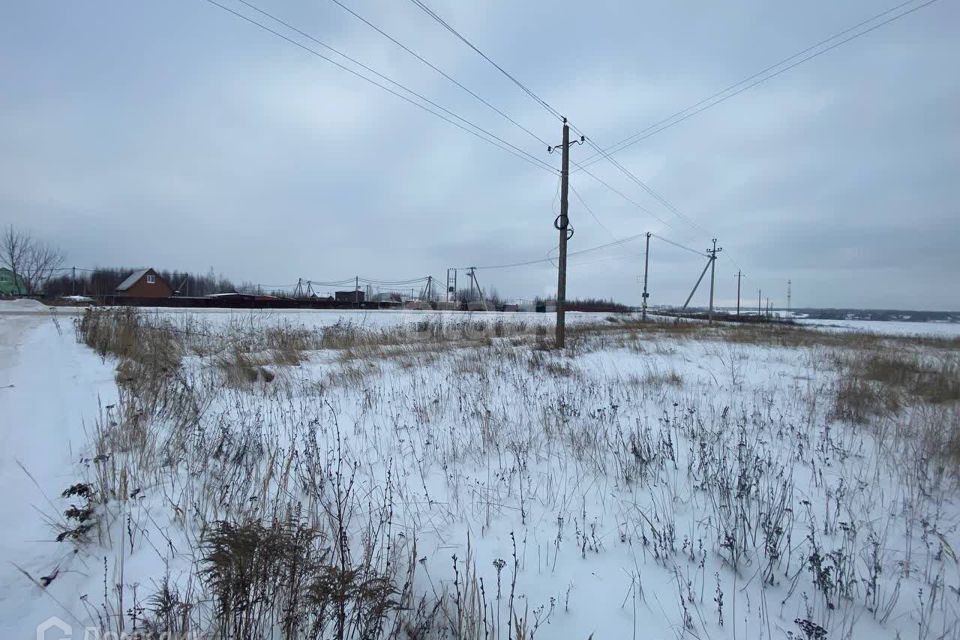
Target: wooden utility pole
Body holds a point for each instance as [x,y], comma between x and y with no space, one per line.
[739,275]
[646,266]
[562,224]
[713,261]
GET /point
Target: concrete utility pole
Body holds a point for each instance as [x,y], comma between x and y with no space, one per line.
[562,224]
[356,291]
[713,260]
[739,275]
[74,281]
[788,298]
[699,280]
[646,267]
[470,273]
[759,303]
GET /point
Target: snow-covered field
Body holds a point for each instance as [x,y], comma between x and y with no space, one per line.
[323,474]
[889,328]
[312,318]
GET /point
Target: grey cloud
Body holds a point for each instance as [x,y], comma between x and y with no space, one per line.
[174,134]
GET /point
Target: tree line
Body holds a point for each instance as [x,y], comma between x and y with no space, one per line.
[37,271]
[103,281]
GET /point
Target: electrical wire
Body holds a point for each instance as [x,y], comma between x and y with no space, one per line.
[606,153]
[590,211]
[390,80]
[504,145]
[643,185]
[430,12]
[706,103]
[555,113]
[550,259]
[393,282]
[338,283]
[678,245]
[438,70]
[629,199]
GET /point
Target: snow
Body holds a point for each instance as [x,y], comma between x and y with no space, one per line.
[495,447]
[22,305]
[945,329]
[50,388]
[364,318]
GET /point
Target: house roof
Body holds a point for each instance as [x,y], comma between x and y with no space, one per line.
[132,279]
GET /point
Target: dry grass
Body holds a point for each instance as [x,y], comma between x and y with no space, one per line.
[663,379]
[918,391]
[240,368]
[875,382]
[294,517]
[125,334]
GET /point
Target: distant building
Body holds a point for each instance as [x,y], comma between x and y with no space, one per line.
[9,284]
[353,297]
[145,283]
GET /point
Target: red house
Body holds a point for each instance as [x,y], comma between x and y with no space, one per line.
[145,283]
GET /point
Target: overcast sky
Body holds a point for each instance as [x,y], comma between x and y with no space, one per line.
[175,135]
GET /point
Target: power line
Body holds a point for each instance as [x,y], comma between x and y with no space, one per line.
[393,282]
[438,70]
[678,245]
[338,283]
[706,103]
[504,145]
[487,103]
[550,259]
[627,198]
[592,214]
[389,79]
[606,154]
[590,211]
[643,185]
[430,12]
[615,243]
[555,113]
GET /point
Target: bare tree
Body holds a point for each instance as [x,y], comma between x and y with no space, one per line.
[31,261]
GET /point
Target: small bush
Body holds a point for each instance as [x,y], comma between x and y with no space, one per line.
[284,570]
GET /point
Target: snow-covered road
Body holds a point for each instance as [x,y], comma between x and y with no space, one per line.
[46,400]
